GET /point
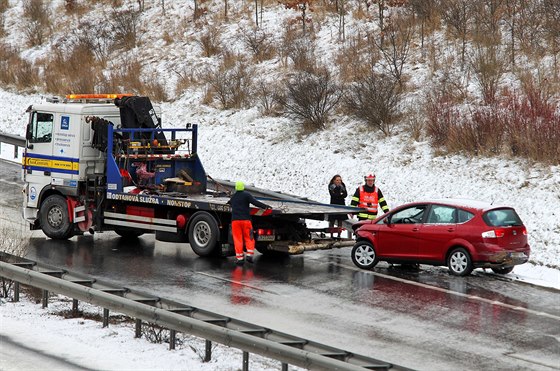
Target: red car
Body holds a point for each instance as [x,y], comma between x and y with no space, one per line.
[461,234]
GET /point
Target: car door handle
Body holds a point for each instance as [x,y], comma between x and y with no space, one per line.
[415,229]
[451,229]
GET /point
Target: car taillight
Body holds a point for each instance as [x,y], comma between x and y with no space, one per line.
[494,233]
[524,231]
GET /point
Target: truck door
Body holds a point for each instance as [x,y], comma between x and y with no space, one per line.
[37,161]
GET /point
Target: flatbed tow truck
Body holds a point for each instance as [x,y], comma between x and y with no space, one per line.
[95,163]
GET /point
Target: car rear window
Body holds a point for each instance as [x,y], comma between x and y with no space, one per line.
[502,218]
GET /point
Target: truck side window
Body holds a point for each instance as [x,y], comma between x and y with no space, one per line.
[41,128]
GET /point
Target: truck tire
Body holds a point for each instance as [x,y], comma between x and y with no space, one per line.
[54,218]
[128,234]
[204,234]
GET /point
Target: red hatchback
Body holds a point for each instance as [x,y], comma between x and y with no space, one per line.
[461,234]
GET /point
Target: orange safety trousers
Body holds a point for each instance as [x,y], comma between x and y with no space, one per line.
[242,231]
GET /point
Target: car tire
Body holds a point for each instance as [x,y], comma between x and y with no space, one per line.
[459,262]
[364,255]
[204,234]
[54,218]
[502,270]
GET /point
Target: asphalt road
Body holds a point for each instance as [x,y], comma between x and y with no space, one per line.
[423,319]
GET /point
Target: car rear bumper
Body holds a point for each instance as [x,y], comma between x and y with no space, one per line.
[501,259]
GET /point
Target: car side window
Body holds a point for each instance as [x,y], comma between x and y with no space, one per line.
[464,216]
[410,215]
[440,214]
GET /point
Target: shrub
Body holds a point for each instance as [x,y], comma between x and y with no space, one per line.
[230,83]
[375,100]
[260,44]
[37,25]
[311,97]
[210,41]
[125,28]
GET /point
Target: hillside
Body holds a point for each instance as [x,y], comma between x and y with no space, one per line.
[247,132]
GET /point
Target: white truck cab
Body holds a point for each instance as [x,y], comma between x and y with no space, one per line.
[59,151]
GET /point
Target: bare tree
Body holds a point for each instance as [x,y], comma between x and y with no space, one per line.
[375,99]
[38,24]
[425,10]
[396,45]
[488,66]
[457,15]
[311,98]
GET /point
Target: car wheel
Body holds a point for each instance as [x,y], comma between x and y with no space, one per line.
[363,255]
[54,219]
[203,234]
[459,262]
[503,270]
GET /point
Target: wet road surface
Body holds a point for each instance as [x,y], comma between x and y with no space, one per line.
[423,319]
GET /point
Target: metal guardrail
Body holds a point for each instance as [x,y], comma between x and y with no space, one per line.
[14,140]
[250,338]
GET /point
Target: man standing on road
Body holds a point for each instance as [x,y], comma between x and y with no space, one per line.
[241,226]
[368,196]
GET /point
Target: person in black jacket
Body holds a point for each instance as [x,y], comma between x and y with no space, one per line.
[241,226]
[337,190]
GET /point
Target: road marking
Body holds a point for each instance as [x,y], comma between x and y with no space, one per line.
[237,283]
[447,291]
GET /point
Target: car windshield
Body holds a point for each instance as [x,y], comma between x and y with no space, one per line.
[502,218]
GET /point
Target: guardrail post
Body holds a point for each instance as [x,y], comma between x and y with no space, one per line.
[105,317]
[16,291]
[75,307]
[45,300]
[208,351]
[138,330]
[172,336]
[245,361]
[284,367]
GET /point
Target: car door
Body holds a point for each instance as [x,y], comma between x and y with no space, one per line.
[399,235]
[436,233]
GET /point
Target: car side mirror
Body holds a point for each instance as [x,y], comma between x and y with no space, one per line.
[387,220]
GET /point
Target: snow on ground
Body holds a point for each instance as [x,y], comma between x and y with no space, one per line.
[79,343]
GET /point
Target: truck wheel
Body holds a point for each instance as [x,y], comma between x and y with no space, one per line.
[128,234]
[203,234]
[459,262]
[54,219]
[363,255]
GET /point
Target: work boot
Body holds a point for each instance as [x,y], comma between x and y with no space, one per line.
[240,261]
[249,259]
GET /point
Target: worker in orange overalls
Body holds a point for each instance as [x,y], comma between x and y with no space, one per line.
[241,226]
[369,196]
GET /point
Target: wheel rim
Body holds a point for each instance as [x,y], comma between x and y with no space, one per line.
[458,262]
[54,217]
[202,233]
[364,255]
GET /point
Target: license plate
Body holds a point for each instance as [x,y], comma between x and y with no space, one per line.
[518,255]
[265,238]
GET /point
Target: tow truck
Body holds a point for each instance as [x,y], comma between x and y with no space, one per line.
[103,162]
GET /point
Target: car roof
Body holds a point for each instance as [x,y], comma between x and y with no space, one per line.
[465,203]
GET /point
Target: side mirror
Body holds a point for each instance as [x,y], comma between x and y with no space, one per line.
[387,220]
[28,133]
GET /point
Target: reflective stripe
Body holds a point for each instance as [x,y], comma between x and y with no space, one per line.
[367,216]
[355,199]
